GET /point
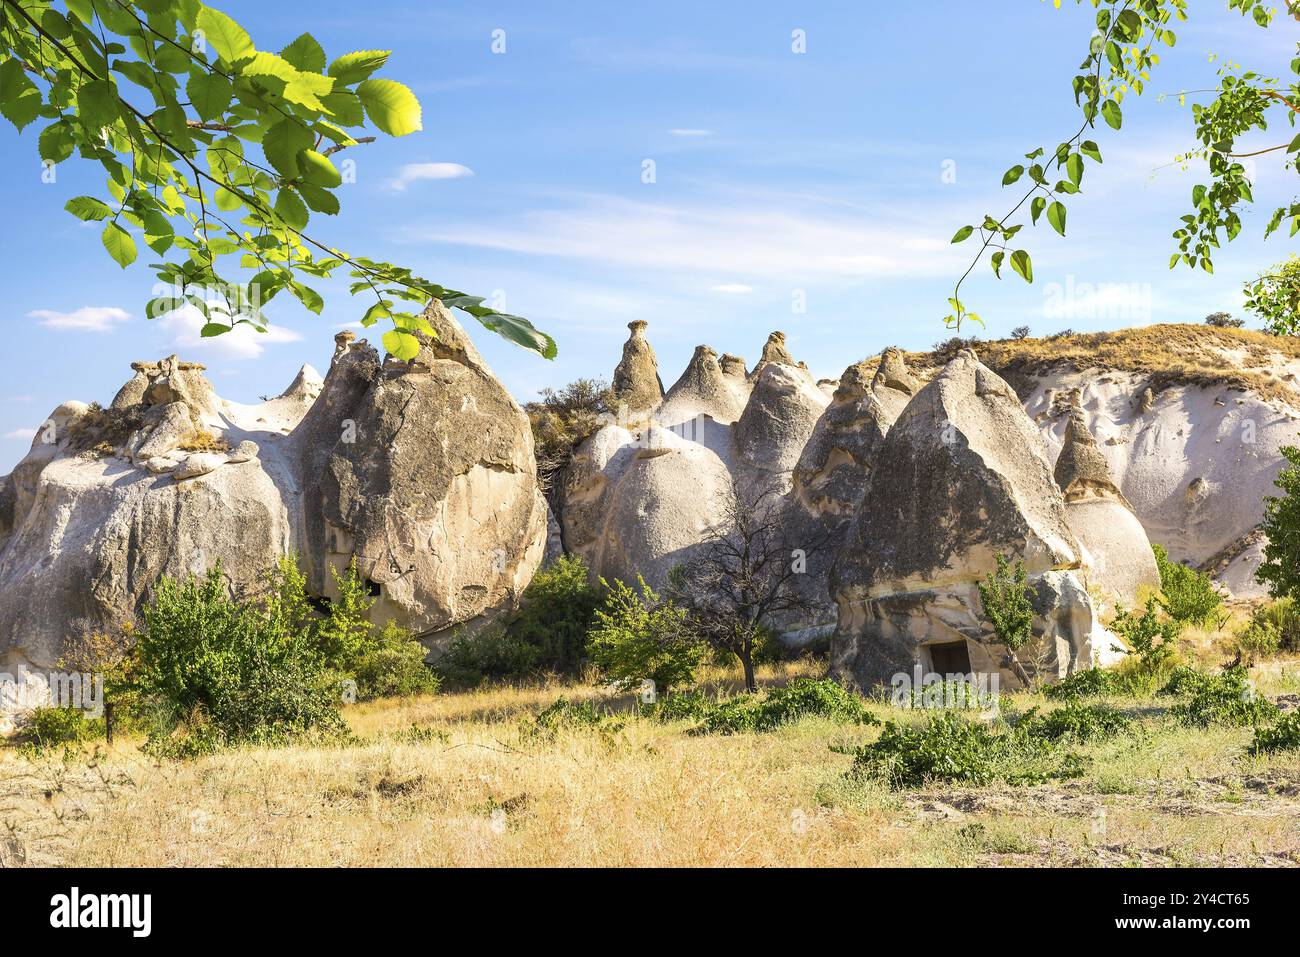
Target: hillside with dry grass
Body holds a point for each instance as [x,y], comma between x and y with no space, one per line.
[1173,354]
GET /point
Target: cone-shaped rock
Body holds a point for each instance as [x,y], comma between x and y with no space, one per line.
[702,389]
[960,478]
[1114,543]
[636,377]
[778,420]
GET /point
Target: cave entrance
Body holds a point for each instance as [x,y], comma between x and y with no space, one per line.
[950,658]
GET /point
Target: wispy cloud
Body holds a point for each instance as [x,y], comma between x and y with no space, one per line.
[21,434]
[681,131]
[414,172]
[243,342]
[85,319]
[733,288]
[760,238]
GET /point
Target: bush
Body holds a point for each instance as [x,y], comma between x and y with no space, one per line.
[1280,569]
[228,674]
[1224,699]
[1075,721]
[643,636]
[392,665]
[564,715]
[950,748]
[51,727]
[1223,320]
[1088,683]
[1020,332]
[488,655]
[560,421]
[1284,617]
[1188,596]
[1184,681]
[1283,736]
[557,613]
[1153,642]
[764,711]
[1259,639]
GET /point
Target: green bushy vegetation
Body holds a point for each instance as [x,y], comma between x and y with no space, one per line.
[565,715]
[1283,736]
[1088,683]
[1227,698]
[1280,570]
[1076,722]
[548,634]
[53,727]
[948,747]
[1283,617]
[639,635]
[765,710]
[1188,596]
[1005,595]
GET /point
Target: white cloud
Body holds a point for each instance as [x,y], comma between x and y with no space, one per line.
[21,434]
[764,237]
[690,132]
[733,288]
[413,172]
[242,342]
[85,319]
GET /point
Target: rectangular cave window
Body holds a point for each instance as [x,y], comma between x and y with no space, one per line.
[950,658]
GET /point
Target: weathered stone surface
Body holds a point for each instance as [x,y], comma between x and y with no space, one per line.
[636,378]
[703,389]
[960,478]
[770,434]
[1114,545]
[423,471]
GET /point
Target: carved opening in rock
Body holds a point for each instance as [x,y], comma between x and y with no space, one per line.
[373,588]
[950,658]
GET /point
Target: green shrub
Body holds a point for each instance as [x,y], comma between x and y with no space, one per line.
[1280,569]
[557,613]
[1259,639]
[950,748]
[1224,699]
[1284,617]
[492,654]
[1088,683]
[763,711]
[391,665]
[1076,722]
[1187,595]
[1005,595]
[643,636]
[51,727]
[1152,641]
[1184,681]
[228,674]
[564,715]
[1283,736]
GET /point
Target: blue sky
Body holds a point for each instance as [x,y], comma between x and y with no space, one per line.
[777,176]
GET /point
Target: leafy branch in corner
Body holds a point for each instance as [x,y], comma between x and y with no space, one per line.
[215,149]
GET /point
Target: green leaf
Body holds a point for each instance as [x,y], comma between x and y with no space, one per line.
[305,54]
[1089,148]
[308,296]
[355,67]
[963,234]
[320,200]
[318,170]
[119,244]
[282,144]
[1012,175]
[1074,168]
[56,142]
[211,329]
[97,104]
[209,94]
[401,344]
[20,100]
[1056,216]
[1112,114]
[161,306]
[997,262]
[87,208]
[392,107]
[228,38]
[290,207]
[1022,264]
[1036,208]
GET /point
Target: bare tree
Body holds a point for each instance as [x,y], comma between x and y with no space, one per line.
[743,577]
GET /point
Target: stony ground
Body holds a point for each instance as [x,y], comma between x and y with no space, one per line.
[458,779]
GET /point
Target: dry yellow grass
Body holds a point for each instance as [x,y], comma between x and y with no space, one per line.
[471,788]
[1172,354]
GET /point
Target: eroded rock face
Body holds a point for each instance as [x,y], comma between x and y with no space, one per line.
[636,378]
[960,478]
[1114,545]
[423,471]
[704,389]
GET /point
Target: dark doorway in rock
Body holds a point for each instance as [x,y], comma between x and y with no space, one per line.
[374,588]
[950,658]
